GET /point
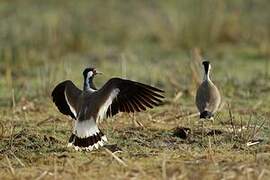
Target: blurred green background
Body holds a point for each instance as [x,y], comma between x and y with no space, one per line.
[43,42]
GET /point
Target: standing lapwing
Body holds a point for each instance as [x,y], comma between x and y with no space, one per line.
[90,106]
[208,96]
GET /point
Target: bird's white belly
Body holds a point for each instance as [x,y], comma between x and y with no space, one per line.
[85,128]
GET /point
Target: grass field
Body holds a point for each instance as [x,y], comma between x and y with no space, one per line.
[154,42]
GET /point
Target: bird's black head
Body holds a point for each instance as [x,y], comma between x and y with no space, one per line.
[206,115]
[205,63]
[207,66]
[89,74]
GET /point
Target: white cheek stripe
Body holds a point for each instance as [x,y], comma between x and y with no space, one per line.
[207,75]
[85,128]
[89,75]
[70,107]
[103,109]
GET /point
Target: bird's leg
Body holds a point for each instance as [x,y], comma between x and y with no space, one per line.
[212,128]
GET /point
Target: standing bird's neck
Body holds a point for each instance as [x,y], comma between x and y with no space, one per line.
[207,68]
[89,85]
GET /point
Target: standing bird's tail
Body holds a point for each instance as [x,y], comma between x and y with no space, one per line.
[86,136]
[206,115]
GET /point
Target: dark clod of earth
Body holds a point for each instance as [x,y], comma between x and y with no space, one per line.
[181,132]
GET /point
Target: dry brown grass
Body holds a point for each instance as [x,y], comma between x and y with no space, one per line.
[37,148]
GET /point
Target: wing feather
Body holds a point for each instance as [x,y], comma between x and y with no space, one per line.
[132,96]
[65,96]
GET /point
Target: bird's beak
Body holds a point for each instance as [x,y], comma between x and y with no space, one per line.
[98,72]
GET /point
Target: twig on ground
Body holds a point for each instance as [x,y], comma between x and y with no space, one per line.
[2,130]
[135,122]
[252,143]
[164,171]
[231,119]
[115,157]
[259,128]
[10,166]
[241,126]
[19,161]
[177,96]
[263,172]
[42,175]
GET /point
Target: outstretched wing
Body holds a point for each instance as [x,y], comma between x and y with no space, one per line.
[120,95]
[65,96]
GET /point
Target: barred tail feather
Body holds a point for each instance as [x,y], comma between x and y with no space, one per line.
[86,136]
[206,115]
[90,143]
